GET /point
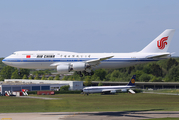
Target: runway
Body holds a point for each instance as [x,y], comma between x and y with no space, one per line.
[128,115]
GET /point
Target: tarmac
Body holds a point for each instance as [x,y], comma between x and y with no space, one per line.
[128,115]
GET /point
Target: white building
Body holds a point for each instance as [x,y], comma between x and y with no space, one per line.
[37,85]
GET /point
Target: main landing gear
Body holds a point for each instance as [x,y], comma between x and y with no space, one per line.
[19,72]
[85,73]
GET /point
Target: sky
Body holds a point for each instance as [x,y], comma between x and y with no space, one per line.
[93,26]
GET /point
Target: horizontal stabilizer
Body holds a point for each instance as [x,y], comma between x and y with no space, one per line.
[159,55]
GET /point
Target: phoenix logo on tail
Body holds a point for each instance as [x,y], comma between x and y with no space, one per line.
[161,43]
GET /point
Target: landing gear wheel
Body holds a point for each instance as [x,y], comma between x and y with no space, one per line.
[81,75]
[89,74]
[86,74]
[19,73]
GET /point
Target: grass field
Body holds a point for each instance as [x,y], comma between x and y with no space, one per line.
[176,91]
[93,102]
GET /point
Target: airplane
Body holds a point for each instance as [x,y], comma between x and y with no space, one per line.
[110,89]
[65,62]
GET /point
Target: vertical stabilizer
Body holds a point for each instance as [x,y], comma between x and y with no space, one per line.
[132,81]
[161,43]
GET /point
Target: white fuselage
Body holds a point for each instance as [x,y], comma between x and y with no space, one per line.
[44,59]
[101,89]
[85,62]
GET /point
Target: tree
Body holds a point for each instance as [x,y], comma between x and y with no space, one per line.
[24,72]
[57,77]
[144,77]
[43,77]
[130,69]
[24,77]
[87,81]
[156,70]
[147,69]
[156,79]
[115,73]
[15,75]
[138,74]
[101,73]
[36,77]
[65,78]
[30,78]
[173,74]
[100,84]
[50,78]
[171,62]
[6,72]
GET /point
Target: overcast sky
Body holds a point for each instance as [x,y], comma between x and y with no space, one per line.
[85,26]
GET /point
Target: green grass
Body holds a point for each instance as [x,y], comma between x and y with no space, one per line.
[93,102]
[175,91]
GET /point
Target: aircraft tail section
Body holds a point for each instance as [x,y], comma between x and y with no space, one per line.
[161,43]
[132,81]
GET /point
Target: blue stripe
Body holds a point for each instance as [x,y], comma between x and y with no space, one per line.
[76,60]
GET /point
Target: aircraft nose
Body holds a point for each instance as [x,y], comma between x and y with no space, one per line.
[4,60]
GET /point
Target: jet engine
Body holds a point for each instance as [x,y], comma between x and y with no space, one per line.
[63,68]
[78,66]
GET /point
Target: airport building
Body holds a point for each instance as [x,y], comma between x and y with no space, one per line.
[37,85]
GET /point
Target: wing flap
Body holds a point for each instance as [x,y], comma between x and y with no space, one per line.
[97,61]
[92,62]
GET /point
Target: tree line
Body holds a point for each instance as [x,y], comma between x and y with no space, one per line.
[161,71]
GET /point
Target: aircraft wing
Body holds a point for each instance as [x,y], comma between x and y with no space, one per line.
[93,62]
[58,63]
[110,90]
[97,61]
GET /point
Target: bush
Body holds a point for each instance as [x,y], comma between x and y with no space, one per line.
[64,88]
[138,90]
[68,92]
[32,92]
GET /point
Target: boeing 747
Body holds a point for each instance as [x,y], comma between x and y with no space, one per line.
[65,62]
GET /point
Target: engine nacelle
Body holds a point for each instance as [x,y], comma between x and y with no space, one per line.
[79,66]
[63,68]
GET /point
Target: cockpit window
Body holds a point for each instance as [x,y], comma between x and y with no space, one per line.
[13,53]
